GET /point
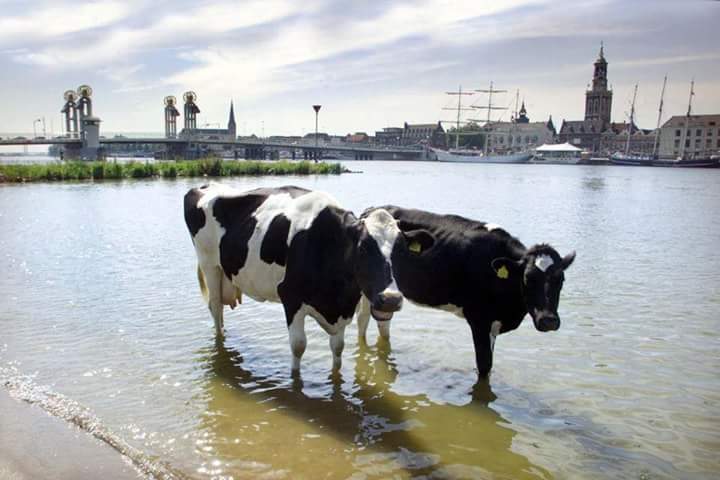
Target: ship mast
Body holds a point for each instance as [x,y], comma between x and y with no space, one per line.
[687,119]
[490,108]
[660,109]
[632,119]
[459,93]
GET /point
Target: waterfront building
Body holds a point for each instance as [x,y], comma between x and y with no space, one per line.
[423,133]
[522,117]
[596,133]
[587,133]
[615,139]
[357,137]
[389,136]
[520,134]
[702,137]
[551,126]
[228,134]
[598,100]
[323,138]
[291,139]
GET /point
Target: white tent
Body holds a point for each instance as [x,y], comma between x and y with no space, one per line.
[560,147]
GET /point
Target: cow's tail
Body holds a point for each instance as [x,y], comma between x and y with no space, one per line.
[201,282]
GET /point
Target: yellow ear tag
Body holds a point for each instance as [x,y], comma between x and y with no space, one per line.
[415,247]
[503,273]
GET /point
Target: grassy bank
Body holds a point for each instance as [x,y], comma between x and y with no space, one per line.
[60,171]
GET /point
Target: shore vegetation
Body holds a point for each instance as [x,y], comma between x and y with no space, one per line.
[62,171]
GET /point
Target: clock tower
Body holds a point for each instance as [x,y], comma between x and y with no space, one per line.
[598,100]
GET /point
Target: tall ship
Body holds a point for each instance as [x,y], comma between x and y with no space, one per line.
[683,159]
[635,159]
[459,155]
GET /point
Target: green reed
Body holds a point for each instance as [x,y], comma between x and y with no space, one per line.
[210,167]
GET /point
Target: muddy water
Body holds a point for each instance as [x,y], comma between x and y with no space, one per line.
[100,305]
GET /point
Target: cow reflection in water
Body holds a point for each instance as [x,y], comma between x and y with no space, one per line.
[259,425]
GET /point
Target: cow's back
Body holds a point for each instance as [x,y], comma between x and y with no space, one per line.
[247,234]
[456,270]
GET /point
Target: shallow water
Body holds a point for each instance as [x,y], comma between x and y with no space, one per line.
[100,303]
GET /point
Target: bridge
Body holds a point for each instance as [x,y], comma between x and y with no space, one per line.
[82,139]
[250,149]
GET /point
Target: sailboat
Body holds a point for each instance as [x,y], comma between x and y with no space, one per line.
[637,160]
[710,161]
[458,155]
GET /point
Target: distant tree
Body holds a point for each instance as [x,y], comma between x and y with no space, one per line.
[471,136]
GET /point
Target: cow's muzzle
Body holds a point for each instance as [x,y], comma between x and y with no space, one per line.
[546,321]
[385,304]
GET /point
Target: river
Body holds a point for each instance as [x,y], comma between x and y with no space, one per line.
[100,304]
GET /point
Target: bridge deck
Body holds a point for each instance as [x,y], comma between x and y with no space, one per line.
[239,144]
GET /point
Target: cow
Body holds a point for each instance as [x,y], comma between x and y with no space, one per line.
[297,247]
[477,271]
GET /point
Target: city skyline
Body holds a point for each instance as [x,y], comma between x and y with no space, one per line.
[369,66]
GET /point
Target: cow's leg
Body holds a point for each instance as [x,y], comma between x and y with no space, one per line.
[213,281]
[298,340]
[483,341]
[363,317]
[384,328]
[337,344]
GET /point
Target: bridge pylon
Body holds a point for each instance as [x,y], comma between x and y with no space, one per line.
[191,110]
[84,104]
[171,114]
[70,113]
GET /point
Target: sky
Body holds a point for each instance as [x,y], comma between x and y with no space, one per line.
[369,64]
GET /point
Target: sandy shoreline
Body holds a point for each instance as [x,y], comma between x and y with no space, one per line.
[34,445]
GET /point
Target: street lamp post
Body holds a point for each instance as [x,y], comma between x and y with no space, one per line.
[317,111]
[34,129]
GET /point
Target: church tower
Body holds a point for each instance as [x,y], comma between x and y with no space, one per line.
[232,129]
[598,100]
[523,118]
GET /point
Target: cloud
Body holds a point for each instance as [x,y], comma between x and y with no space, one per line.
[275,63]
[673,60]
[61,19]
[375,61]
[194,25]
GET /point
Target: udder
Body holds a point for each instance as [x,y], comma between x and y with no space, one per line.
[231,295]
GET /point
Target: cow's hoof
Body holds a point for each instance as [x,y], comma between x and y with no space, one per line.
[482,392]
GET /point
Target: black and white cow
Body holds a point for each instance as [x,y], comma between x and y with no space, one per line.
[297,247]
[477,271]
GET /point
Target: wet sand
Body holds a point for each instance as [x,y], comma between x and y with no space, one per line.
[36,445]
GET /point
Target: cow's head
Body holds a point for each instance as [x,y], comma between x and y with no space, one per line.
[377,234]
[541,271]
[378,239]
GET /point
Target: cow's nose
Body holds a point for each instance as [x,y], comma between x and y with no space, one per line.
[548,322]
[389,301]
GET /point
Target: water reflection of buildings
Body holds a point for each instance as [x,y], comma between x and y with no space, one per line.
[361,426]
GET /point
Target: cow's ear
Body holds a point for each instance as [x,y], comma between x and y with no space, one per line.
[353,226]
[507,267]
[567,260]
[419,240]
